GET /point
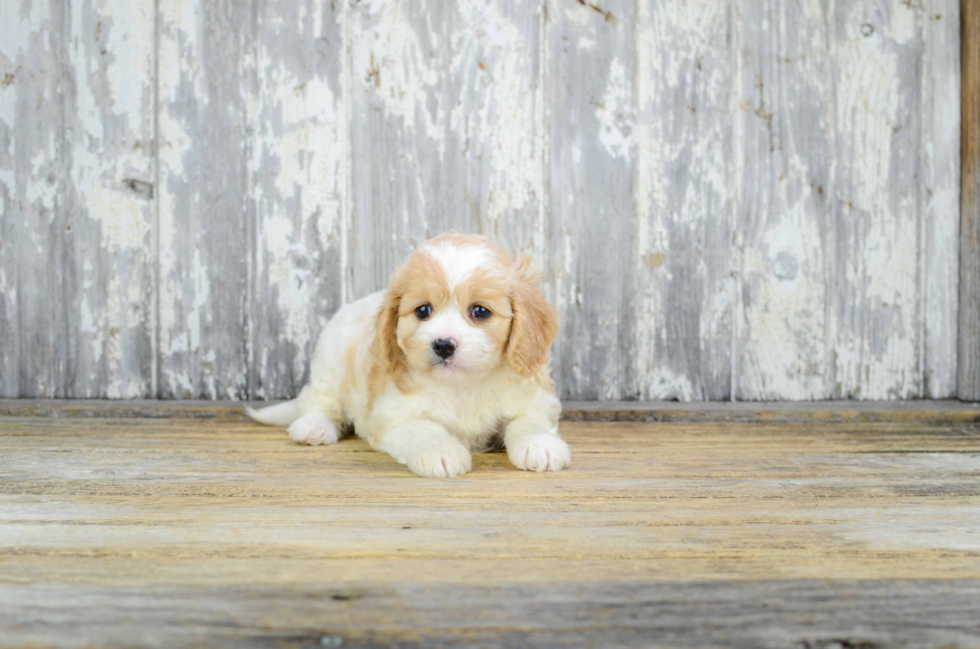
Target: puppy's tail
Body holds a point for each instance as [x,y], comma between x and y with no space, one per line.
[281,414]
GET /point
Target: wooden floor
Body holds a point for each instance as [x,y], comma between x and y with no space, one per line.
[814,531]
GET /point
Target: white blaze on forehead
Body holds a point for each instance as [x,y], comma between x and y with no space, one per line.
[459,261]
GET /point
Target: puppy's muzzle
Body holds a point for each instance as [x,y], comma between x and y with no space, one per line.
[444,348]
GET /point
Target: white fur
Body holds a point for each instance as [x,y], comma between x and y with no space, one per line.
[533,447]
[428,449]
[458,262]
[313,428]
[449,411]
[281,414]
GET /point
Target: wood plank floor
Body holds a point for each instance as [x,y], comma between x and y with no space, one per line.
[821,533]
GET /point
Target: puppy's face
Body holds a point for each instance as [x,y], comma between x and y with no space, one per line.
[459,305]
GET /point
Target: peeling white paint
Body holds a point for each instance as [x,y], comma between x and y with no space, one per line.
[43,194]
[175,144]
[939,100]
[668,386]
[460,100]
[179,49]
[784,355]
[20,22]
[111,52]
[615,113]
[878,348]
[179,66]
[400,69]
[682,184]
[868,96]
[502,99]
[296,162]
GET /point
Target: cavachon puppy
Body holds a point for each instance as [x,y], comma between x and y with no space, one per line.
[449,359]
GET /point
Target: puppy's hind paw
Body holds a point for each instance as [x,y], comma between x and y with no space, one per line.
[313,428]
[540,452]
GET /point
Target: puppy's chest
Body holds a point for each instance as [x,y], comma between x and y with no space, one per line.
[467,411]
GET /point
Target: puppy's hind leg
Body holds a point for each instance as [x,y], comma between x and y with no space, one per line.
[322,414]
[313,428]
[312,417]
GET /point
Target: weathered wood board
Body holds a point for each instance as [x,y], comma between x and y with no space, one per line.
[296,176]
[816,533]
[968,385]
[34,190]
[108,267]
[787,412]
[747,200]
[685,204]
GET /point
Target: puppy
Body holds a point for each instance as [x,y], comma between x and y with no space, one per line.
[450,357]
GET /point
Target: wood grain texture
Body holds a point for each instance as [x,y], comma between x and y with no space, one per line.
[592,122]
[34,209]
[878,242]
[940,144]
[799,613]
[937,412]
[836,296]
[752,200]
[968,381]
[203,226]
[445,131]
[691,534]
[684,202]
[296,187]
[784,159]
[109,263]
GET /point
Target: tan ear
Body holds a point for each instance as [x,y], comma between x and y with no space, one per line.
[534,326]
[387,331]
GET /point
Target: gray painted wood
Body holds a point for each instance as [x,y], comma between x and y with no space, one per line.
[296,187]
[849,160]
[784,157]
[877,51]
[204,233]
[109,263]
[444,128]
[34,166]
[968,381]
[940,163]
[812,614]
[592,122]
[662,162]
[685,201]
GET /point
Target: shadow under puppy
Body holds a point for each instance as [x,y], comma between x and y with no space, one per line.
[453,353]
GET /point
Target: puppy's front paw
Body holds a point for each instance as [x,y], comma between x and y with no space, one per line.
[540,452]
[444,460]
[313,428]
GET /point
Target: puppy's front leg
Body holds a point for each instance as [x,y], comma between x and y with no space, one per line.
[534,445]
[427,449]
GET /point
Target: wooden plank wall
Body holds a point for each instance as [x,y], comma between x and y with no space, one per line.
[727,200]
[969,333]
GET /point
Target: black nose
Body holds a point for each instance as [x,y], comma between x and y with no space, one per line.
[444,347]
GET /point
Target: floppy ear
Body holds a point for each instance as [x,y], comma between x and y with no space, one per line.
[534,325]
[387,331]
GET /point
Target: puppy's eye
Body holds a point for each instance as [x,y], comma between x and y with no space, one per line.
[478,312]
[423,311]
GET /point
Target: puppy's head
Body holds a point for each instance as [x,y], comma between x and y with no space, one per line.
[460,305]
